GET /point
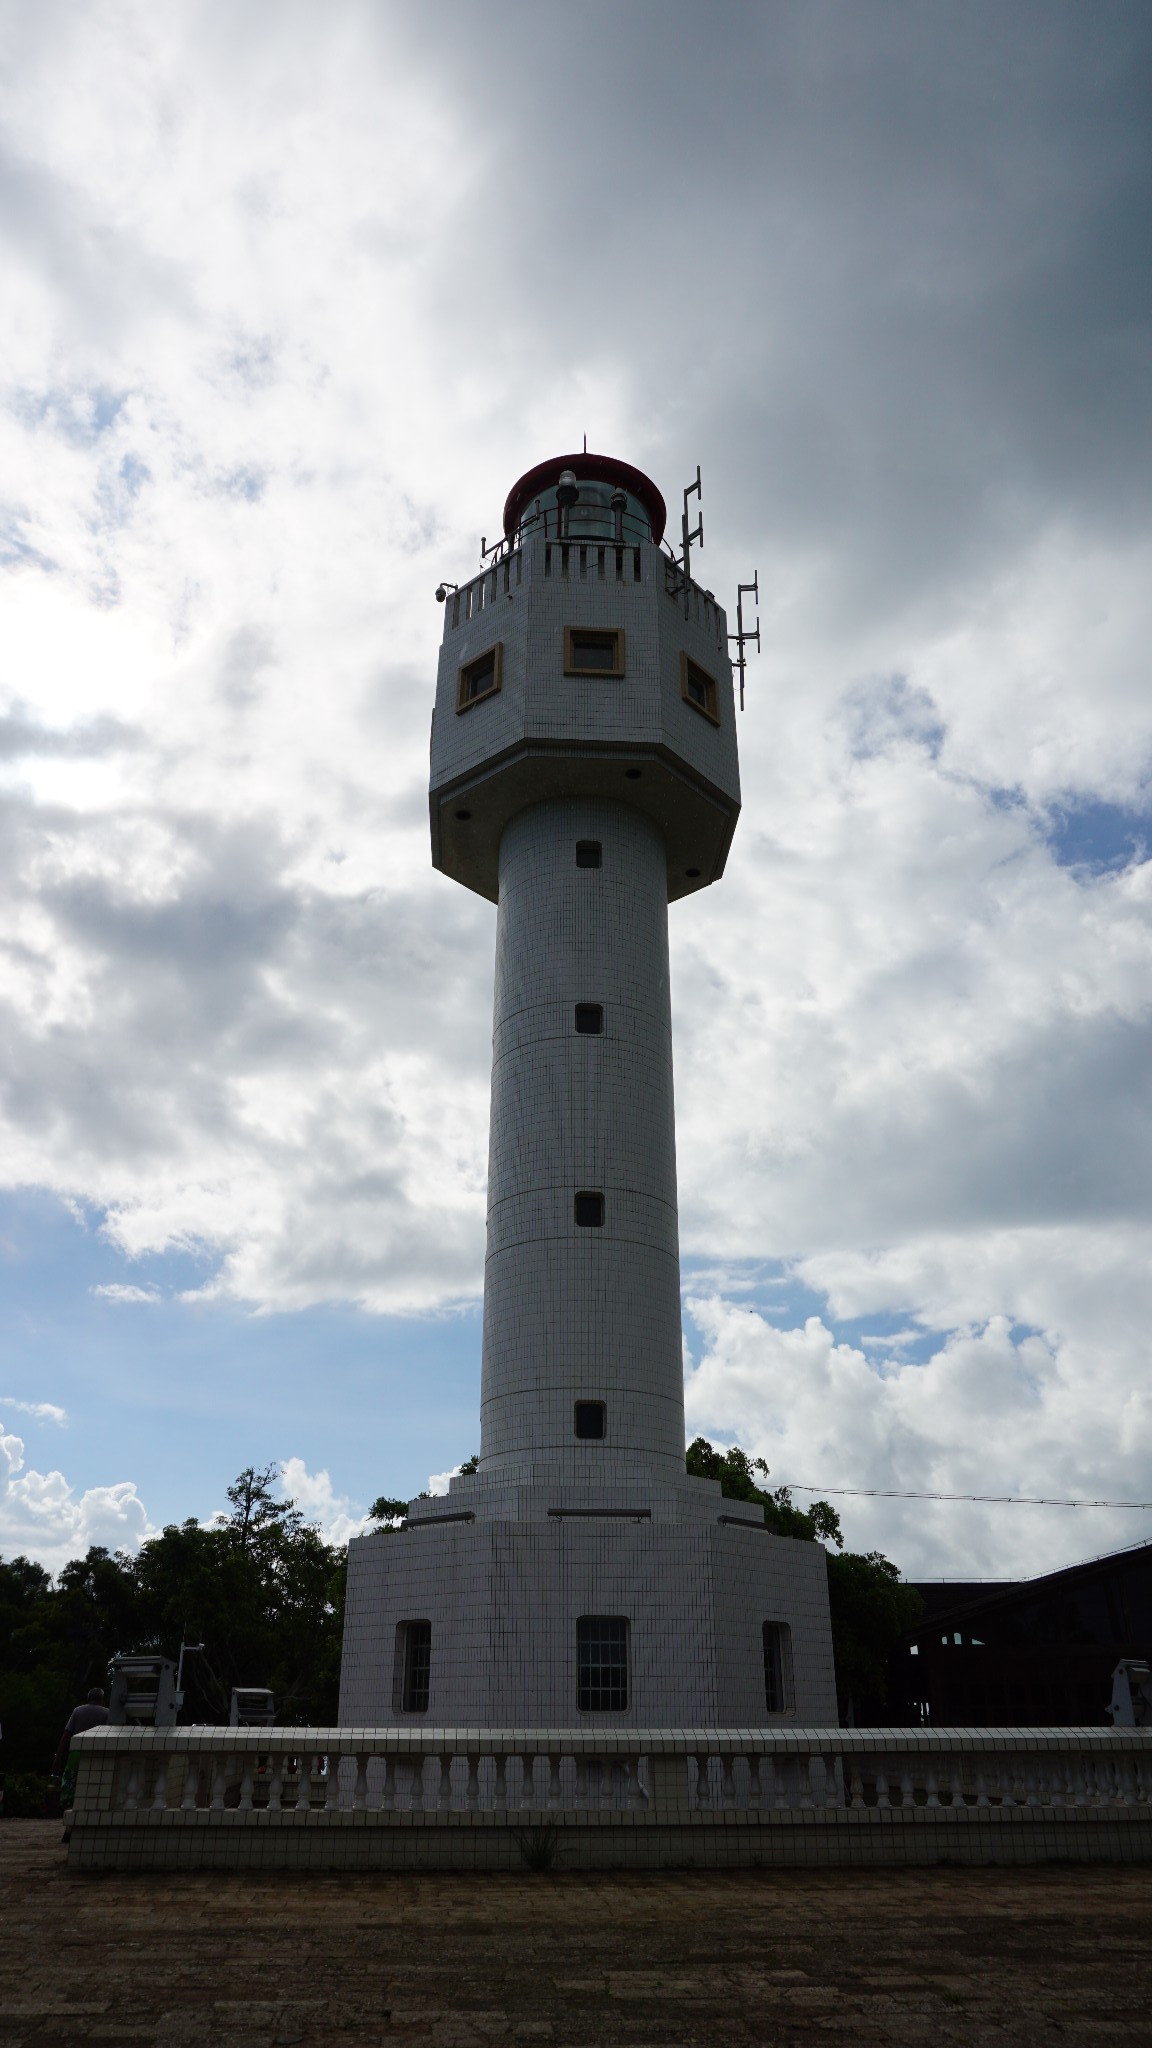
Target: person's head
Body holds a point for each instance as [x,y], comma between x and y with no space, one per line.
[96,1696]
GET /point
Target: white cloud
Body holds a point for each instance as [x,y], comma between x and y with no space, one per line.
[314,1495]
[994,1409]
[42,1411]
[245,431]
[41,1515]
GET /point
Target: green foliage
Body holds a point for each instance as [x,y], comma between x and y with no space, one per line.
[871,1610]
[736,1472]
[29,1795]
[260,1589]
[387,1510]
[870,1607]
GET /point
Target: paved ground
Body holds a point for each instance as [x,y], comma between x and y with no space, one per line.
[634,1961]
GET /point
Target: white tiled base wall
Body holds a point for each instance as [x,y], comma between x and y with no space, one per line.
[504,1595]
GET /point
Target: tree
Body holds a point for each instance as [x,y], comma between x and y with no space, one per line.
[870,1606]
[735,1470]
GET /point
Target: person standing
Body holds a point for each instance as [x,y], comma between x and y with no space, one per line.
[92,1713]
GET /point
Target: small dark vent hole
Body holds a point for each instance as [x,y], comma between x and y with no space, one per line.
[589,853]
[589,1419]
[590,1019]
[589,1209]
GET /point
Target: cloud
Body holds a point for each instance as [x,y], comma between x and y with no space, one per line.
[115,1290]
[254,412]
[41,1515]
[43,1411]
[995,1408]
[314,1495]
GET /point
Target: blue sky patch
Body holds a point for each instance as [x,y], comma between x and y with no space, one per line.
[1099,837]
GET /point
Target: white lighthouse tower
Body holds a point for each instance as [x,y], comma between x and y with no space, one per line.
[584,775]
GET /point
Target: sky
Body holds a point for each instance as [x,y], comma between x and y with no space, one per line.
[291,295]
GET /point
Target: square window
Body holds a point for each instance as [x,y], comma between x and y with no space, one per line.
[602,1664]
[590,1019]
[589,652]
[589,1210]
[413,1666]
[779,1695]
[480,678]
[589,1419]
[589,853]
[698,689]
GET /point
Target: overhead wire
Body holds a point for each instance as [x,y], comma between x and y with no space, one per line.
[1015,1500]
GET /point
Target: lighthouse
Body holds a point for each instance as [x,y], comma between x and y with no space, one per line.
[584,776]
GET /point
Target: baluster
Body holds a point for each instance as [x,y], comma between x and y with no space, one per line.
[786,1782]
[472,1784]
[956,1784]
[500,1783]
[907,1788]
[704,1782]
[191,1775]
[360,1788]
[332,1784]
[635,1795]
[216,1797]
[856,1786]
[932,1797]
[133,1775]
[276,1769]
[982,1798]
[555,1790]
[727,1785]
[160,1786]
[806,1798]
[442,1763]
[833,1782]
[303,1783]
[882,1798]
[763,1790]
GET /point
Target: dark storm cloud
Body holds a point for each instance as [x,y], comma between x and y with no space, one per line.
[886,267]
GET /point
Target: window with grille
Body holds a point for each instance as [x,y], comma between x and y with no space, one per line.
[698,689]
[589,853]
[590,1209]
[778,1690]
[593,653]
[414,1666]
[602,1664]
[589,1419]
[480,678]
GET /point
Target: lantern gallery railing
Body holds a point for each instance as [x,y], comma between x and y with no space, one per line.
[180,1797]
[587,562]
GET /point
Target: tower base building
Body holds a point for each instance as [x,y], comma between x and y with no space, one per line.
[584,775]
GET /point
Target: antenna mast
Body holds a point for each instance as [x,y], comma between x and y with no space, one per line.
[746,636]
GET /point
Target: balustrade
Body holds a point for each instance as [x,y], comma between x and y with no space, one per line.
[286,1777]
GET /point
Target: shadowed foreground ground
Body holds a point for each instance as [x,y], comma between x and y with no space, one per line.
[633,1961]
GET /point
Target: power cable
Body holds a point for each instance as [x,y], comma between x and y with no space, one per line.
[1015,1500]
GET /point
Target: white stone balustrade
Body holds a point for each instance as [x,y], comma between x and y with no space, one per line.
[347,1797]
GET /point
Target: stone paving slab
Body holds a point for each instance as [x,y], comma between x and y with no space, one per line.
[779,1959]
